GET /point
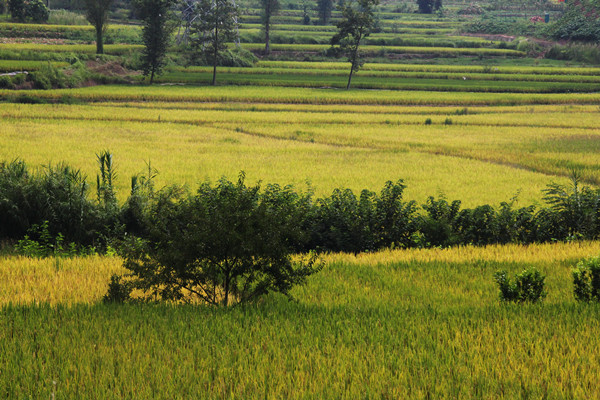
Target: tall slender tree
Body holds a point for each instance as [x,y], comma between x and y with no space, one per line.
[215,26]
[269,9]
[156,16]
[96,12]
[358,20]
[324,8]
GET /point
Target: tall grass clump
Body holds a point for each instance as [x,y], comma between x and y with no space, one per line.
[66,17]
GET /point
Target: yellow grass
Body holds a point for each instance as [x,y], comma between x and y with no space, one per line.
[510,253]
[26,280]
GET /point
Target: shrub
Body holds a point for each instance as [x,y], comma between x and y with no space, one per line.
[576,208]
[48,77]
[119,291]
[528,286]
[579,22]
[225,245]
[343,222]
[586,280]
[6,82]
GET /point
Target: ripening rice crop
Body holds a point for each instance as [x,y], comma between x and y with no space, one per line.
[403,324]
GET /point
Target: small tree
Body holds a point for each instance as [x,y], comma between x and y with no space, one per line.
[356,24]
[225,245]
[269,9]
[324,8]
[305,16]
[215,26]
[156,32]
[96,12]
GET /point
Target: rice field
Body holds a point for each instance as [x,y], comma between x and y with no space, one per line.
[395,324]
[478,154]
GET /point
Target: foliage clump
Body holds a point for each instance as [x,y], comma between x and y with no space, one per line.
[28,10]
[224,245]
[528,286]
[586,280]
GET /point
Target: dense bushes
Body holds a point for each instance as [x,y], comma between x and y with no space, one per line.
[340,222]
[588,53]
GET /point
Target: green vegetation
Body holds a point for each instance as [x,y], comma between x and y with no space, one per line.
[528,286]
[586,280]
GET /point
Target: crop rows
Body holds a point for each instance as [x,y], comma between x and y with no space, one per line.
[25,65]
[275,73]
[115,49]
[392,49]
[430,68]
[306,96]
[519,148]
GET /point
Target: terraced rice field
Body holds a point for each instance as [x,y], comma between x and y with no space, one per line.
[416,324]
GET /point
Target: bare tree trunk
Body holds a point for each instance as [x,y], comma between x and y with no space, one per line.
[350,76]
[99,40]
[216,54]
[267,29]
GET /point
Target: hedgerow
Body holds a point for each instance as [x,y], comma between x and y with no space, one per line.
[59,196]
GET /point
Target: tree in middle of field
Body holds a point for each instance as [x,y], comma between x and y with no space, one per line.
[156,32]
[269,9]
[215,26]
[96,12]
[358,20]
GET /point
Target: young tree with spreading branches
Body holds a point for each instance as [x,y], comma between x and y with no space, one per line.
[215,26]
[358,20]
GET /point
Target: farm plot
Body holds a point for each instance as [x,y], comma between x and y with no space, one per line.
[479,154]
[403,324]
